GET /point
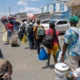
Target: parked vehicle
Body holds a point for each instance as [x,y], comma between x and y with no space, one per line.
[61,24]
[45,23]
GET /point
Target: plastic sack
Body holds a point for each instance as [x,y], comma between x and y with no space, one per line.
[5,37]
[58,56]
[24,40]
[4,30]
[43,54]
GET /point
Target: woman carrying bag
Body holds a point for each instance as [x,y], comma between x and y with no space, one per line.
[10,29]
[55,43]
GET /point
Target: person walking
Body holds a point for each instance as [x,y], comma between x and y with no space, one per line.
[39,34]
[70,41]
[30,35]
[52,31]
[10,29]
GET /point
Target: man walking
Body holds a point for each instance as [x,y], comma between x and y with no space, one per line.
[70,41]
[39,34]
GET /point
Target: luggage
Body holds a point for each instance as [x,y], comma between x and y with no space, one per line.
[5,70]
[20,35]
[5,37]
[43,54]
[24,40]
[58,55]
[14,40]
[3,66]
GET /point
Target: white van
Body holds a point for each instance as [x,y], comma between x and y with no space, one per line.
[61,25]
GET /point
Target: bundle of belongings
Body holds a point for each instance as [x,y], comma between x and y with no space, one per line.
[14,41]
[5,69]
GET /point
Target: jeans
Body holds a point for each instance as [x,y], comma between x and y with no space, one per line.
[31,40]
[16,28]
[9,34]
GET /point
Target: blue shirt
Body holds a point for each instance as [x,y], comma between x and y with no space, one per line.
[71,38]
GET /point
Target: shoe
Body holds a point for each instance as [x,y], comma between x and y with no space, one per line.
[48,63]
[6,44]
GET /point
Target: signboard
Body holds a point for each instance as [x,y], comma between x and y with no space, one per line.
[45,9]
[51,8]
[62,7]
[54,7]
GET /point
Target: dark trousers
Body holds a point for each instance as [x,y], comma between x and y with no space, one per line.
[35,43]
[31,41]
[39,42]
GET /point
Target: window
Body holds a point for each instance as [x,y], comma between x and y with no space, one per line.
[62,22]
[46,21]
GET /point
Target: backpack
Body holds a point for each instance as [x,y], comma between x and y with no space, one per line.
[77,47]
[40,31]
[30,29]
[48,40]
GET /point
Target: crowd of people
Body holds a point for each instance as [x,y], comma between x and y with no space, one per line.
[36,33]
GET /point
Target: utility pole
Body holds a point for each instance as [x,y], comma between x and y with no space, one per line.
[9,10]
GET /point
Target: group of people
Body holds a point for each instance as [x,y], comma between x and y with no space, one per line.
[70,47]
[12,25]
[36,34]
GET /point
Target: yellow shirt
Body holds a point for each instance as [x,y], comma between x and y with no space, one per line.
[35,30]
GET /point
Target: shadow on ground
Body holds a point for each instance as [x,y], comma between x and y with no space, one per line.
[15,45]
[50,66]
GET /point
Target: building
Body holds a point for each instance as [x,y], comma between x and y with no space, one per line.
[21,16]
[75,6]
[55,10]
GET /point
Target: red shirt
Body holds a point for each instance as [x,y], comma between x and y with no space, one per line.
[52,33]
[9,26]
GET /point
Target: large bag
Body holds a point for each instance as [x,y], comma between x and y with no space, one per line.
[14,40]
[5,37]
[48,41]
[20,35]
[43,55]
[58,55]
[5,70]
[24,40]
[3,66]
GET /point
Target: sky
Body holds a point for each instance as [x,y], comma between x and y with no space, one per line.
[29,6]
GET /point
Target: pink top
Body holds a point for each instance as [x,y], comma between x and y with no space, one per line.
[52,33]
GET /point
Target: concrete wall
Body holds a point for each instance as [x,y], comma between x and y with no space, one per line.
[75,9]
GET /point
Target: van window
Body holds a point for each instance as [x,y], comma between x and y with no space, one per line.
[62,22]
[46,21]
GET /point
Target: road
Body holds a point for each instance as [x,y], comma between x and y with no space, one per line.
[26,65]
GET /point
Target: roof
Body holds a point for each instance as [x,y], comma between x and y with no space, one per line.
[73,3]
